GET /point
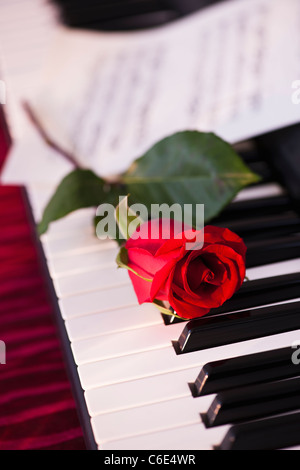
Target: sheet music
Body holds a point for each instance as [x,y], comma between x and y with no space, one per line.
[107,97]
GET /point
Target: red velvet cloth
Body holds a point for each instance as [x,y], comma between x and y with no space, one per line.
[37,410]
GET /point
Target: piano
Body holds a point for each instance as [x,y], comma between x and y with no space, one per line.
[228,381]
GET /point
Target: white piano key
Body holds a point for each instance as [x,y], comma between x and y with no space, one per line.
[150,418]
[113,321]
[99,301]
[274,269]
[191,437]
[78,222]
[94,325]
[74,264]
[162,361]
[99,279]
[77,243]
[141,392]
[292,448]
[125,343]
[84,276]
[260,191]
[79,284]
[102,279]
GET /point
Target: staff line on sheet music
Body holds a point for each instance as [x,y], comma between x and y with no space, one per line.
[42,132]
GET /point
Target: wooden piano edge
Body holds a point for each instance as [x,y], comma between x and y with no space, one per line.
[77,391]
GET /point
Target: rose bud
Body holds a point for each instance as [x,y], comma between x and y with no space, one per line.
[192,281]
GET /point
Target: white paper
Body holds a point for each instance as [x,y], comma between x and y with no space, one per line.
[108,97]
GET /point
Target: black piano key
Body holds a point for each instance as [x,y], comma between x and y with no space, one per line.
[209,332]
[268,434]
[171,320]
[245,370]
[264,227]
[260,253]
[262,292]
[256,293]
[252,207]
[252,402]
[281,149]
[273,250]
[247,151]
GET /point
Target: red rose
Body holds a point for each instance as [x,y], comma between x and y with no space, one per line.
[192,281]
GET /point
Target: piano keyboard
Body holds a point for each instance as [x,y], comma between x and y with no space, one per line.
[225,381]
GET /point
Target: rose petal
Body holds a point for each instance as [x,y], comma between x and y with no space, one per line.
[223,253]
[142,288]
[194,281]
[159,288]
[185,309]
[209,295]
[214,235]
[153,234]
[144,263]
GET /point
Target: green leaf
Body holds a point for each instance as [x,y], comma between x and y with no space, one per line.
[189,168]
[78,190]
[125,217]
[122,262]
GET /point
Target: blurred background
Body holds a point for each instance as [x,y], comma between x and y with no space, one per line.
[126,14]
